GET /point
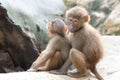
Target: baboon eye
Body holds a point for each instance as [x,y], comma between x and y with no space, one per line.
[70,19]
[75,20]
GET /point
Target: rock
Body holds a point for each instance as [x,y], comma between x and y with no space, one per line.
[112,24]
[109,66]
[38,76]
[5,61]
[33,16]
[15,42]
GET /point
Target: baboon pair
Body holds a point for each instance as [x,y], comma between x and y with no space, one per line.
[82,46]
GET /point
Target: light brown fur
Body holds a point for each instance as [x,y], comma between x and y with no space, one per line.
[87,48]
[57,50]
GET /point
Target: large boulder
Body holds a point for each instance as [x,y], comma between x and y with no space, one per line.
[20,43]
[19,47]
[32,16]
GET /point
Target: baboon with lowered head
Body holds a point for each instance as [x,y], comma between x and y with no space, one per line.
[57,50]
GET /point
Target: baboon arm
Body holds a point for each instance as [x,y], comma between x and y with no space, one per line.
[46,54]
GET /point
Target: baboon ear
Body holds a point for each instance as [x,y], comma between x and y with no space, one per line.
[86,18]
[66,29]
[50,25]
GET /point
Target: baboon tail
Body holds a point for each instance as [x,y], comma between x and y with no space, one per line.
[94,71]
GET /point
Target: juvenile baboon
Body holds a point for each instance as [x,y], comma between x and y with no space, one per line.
[57,50]
[86,43]
[87,48]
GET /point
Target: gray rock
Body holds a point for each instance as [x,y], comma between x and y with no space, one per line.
[112,24]
[19,47]
[32,16]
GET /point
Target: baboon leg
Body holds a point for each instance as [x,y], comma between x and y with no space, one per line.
[53,63]
[79,61]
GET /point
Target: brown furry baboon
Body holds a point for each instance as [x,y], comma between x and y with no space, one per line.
[57,50]
[87,48]
[86,43]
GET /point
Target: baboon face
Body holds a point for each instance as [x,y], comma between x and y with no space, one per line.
[76,17]
[73,24]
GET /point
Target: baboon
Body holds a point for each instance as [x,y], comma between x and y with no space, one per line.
[57,50]
[87,46]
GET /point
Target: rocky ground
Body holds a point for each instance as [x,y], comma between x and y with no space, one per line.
[109,66]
